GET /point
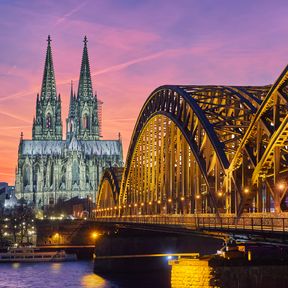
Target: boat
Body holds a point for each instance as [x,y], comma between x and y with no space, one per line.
[32,254]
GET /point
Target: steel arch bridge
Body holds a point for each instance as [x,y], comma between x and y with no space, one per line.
[204,149]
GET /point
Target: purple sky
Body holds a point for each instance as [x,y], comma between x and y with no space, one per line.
[134,46]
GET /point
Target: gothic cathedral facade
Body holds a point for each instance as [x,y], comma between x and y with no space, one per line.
[51,168]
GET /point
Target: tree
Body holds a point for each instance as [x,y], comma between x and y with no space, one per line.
[21,222]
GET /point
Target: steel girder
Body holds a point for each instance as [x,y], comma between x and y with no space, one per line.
[246,128]
[223,114]
[264,148]
[110,195]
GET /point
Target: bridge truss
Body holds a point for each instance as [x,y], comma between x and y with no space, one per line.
[204,149]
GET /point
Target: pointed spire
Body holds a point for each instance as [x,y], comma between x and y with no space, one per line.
[48,89]
[85,83]
[71,93]
[72,102]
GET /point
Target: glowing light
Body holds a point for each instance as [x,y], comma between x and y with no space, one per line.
[182,198]
[220,194]
[197,196]
[135,205]
[246,190]
[94,235]
[150,203]
[158,201]
[249,255]
[142,204]
[281,186]
[169,200]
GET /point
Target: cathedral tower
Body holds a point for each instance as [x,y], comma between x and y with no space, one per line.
[47,124]
[83,120]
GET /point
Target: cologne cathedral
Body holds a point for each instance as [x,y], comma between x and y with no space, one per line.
[51,168]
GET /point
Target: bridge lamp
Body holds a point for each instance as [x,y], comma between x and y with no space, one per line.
[281,186]
[220,194]
[94,235]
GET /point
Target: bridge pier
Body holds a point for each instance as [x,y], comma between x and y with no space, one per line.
[112,249]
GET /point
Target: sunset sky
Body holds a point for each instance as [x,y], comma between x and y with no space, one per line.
[134,46]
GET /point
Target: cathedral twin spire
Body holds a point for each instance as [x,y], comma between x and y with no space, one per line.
[85,84]
[82,121]
[48,89]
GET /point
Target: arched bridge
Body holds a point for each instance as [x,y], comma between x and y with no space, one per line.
[217,152]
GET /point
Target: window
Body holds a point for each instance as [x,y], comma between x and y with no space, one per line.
[85,122]
[26,176]
[48,121]
[75,173]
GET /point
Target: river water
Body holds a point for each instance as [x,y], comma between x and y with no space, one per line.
[71,274]
[199,274]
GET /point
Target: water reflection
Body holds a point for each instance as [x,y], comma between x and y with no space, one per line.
[192,273]
[56,267]
[16,265]
[93,280]
[195,273]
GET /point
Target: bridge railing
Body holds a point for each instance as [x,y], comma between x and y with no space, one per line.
[208,222]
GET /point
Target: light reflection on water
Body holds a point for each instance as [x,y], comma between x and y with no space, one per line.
[56,267]
[53,275]
[198,274]
[189,273]
[93,280]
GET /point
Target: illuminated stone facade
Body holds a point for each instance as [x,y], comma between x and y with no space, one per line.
[50,167]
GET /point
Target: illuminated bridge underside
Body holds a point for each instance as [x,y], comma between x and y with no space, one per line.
[204,149]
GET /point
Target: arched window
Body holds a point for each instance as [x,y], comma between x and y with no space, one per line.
[63,178]
[26,176]
[51,174]
[75,173]
[36,175]
[48,121]
[85,121]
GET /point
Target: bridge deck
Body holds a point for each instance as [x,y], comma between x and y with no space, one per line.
[258,224]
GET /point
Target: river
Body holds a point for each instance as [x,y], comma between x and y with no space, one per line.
[69,274]
[199,274]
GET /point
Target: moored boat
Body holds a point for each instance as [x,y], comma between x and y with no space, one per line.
[32,254]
